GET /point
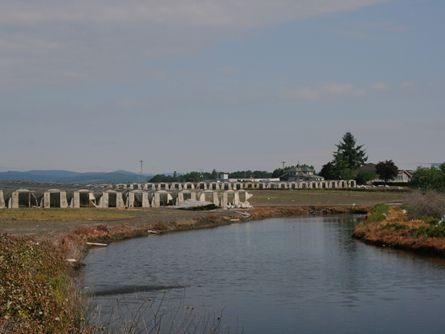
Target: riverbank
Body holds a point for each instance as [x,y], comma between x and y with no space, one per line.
[397,231]
[42,297]
[59,244]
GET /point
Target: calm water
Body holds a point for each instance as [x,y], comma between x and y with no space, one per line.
[299,275]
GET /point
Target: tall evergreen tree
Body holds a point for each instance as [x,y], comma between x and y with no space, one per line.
[349,155]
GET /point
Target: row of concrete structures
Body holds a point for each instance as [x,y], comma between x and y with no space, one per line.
[327,184]
[85,198]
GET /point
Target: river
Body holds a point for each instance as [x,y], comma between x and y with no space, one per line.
[293,275]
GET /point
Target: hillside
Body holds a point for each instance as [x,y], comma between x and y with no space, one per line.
[69,177]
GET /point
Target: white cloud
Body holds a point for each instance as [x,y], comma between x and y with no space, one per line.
[333,89]
[218,13]
[52,42]
[409,84]
[381,86]
[339,89]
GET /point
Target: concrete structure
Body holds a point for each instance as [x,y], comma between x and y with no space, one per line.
[213,186]
[188,186]
[2,200]
[22,198]
[162,198]
[54,198]
[244,197]
[83,198]
[111,199]
[209,196]
[230,199]
[176,186]
[138,199]
[149,186]
[185,195]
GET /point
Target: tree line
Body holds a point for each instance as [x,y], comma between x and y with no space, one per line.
[349,162]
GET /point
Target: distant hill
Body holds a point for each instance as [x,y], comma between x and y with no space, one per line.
[68,177]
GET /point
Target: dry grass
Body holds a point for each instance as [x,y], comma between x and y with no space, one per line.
[398,231]
[322,197]
[12,215]
[425,204]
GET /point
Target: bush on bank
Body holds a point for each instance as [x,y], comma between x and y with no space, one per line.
[428,206]
[37,292]
[378,213]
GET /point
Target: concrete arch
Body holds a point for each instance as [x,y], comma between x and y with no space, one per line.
[209,196]
[237,186]
[188,186]
[213,186]
[54,198]
[283,185]
[83,198]
[176,186]
[2,200]
[111,199]
[162,186]
[230,199]
[23,198]
[137,199]
[244,197]
[352,184]
[162,198]
[201,186]
[185,195]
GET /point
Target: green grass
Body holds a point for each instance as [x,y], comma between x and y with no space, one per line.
[378,213]
[322,197]
[436,231]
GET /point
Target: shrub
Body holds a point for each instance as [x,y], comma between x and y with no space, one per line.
[37,293]
[378,213]
[431,231]
[425,205]
[429,178]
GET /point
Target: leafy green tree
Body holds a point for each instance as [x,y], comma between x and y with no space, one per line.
[349,155]
[429,178]
[387,170]
[366,173]
[328,171]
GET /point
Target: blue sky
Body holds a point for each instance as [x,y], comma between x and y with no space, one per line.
[196,85]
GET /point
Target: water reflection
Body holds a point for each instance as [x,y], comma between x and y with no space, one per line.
[301,275]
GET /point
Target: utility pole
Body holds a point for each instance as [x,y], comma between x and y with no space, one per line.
[142,169]
[284,163]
